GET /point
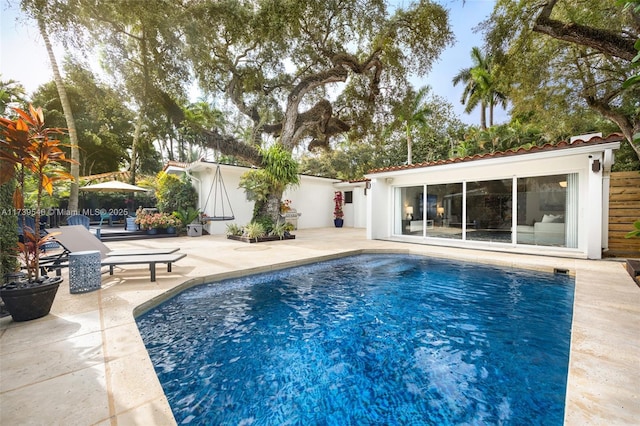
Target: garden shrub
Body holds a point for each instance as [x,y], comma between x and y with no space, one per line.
[175,194]
[8,230]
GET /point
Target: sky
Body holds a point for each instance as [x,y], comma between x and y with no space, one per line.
[23,56]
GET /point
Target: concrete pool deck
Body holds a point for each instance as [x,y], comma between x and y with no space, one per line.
[86,364]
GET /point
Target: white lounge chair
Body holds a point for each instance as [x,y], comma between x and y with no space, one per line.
[76,238]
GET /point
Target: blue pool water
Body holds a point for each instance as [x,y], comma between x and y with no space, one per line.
[371,339]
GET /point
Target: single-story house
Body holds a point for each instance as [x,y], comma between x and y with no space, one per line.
[550,200]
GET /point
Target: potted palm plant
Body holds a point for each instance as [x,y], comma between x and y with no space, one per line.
[27,147]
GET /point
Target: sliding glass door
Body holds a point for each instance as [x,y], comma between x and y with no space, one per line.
[546,209]
[409,219]
[444,212]
[489,210]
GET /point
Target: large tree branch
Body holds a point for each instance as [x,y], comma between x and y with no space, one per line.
[605,41]
[296,125]
[229,145]
[234,90]
[628,127]
[318,123]
[290,123]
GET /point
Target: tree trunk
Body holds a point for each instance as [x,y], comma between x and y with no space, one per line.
[483,116]
[490,114]
[271,208]
[409,144]
[134,151]
[68,115]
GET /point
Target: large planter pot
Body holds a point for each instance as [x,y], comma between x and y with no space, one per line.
[152,231]
[31,301]
[338,222]
[194,230]
[131,224]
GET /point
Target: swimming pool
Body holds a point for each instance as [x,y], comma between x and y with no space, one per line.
[370,339]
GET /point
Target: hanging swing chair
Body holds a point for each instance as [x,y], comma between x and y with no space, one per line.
[221,212]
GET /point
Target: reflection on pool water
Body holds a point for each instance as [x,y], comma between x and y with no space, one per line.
[369,339]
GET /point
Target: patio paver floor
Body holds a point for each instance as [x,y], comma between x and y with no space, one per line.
[86,364]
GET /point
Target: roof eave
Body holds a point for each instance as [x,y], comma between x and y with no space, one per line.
[562,152]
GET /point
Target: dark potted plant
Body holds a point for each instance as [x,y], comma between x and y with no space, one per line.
[28,148]
[338,214]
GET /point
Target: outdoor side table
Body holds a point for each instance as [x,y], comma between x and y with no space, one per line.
[84,271]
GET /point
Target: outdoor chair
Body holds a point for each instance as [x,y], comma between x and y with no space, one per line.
[30,224]
[80,219]
[76,238]
[105,215]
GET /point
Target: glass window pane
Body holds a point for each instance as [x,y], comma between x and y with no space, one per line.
[548,210]
[489,210]
[410,211]
[444,211]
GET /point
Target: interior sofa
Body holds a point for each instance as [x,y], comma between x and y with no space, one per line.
[550,231]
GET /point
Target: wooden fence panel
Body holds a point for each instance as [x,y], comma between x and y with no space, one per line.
[624,209]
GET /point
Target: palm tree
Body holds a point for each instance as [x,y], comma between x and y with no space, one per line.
[39,16]
[481,86]
[488,90]
[415,114]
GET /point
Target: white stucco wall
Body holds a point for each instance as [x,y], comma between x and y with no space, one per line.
[569,160]
[203,175]
[355,213]
[313,198]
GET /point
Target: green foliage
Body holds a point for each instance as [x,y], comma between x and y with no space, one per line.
[186,216]
[280,167]
[482,86]
[105,200]
[386,145]
[633,81]
[8,234]
[368,44]
[234,229]
[27,146]
[103,121]
[279,171]
[175,194]
[636,232]
[281,229]
[559,84]
[266,222]
[254,230]
[626,159]
[150,49]
[256,184]
[499,138]
[10,92]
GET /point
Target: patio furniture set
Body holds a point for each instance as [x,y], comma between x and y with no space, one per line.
[84,255]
